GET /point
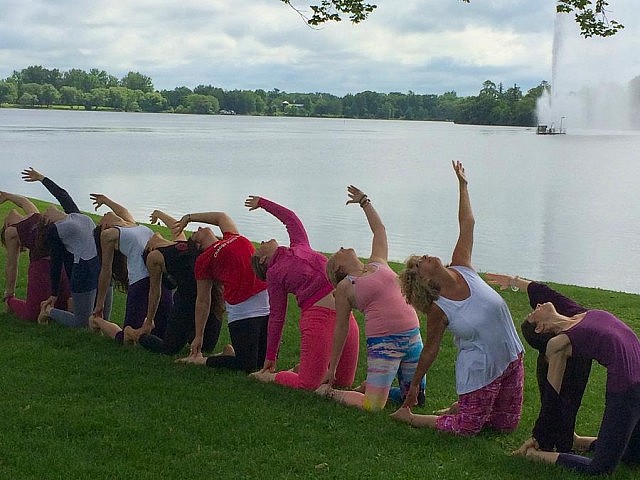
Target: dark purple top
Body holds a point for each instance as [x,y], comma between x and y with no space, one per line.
[610,342]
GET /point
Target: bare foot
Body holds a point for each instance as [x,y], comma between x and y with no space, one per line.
[197,359]
[43,316]
[227,351]
[94,326]
[450,410]
[324,390]
[361,388]
[403,414]
[263,376]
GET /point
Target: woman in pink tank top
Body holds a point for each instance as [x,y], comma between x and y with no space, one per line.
[391,325]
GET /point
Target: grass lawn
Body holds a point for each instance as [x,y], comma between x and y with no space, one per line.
[74,404]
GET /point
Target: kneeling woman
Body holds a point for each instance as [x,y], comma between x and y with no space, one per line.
[122,242]
[175,260]
[600,336]
[300,270]
[489,370]
[391,326]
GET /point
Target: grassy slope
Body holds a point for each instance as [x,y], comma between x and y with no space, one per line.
[76,405]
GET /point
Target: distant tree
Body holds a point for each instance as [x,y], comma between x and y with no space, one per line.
[48,95]
[97,97]
[177,96]
[38,74]
[590,15]
[8,92]
[137,81]
[203,104]
[31,88]
[28,100]
[101,79]
[71,96]
[152,102]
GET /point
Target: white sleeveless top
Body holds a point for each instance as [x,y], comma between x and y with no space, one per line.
[483,331]
[133,241]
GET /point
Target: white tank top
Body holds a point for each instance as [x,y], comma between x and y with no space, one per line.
[133,241]
[483,331]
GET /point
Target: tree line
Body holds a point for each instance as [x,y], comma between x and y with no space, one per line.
[36,86]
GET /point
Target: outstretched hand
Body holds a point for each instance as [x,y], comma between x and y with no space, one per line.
[98,199]
[355,195]
[252,202]
[32,175]
[502,281]
[180,225]
[459,169]
[154,217]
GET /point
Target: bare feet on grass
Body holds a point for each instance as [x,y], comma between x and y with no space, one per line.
[324,390]
[227,351]
[265,376]
[196,358]
[403,414]
[450,410]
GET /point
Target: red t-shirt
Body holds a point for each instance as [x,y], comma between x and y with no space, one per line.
[229,261]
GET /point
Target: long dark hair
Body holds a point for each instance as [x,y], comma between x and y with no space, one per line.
[119,272]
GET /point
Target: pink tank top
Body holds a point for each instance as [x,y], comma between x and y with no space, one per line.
[378,296]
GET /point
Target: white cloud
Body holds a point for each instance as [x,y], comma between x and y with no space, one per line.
[427,46]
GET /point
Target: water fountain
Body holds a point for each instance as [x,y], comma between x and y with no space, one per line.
[594,85]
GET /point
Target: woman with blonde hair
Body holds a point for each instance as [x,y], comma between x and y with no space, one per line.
[489,370]
[392,328]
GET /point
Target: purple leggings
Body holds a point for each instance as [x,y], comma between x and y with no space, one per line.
[316,340]
[38,290]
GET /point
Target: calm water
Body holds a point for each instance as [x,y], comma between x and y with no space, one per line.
[561,208]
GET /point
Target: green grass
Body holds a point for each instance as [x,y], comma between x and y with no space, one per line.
[74,404]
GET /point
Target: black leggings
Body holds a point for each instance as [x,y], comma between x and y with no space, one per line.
[249,340]
[618,438]
[181,330]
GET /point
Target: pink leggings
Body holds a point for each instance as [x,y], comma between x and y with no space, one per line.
[316,339]
[498,405]
[38,290]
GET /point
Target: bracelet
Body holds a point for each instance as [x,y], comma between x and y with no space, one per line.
[512,283]
[364,201]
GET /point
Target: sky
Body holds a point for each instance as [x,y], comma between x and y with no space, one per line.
[423,46]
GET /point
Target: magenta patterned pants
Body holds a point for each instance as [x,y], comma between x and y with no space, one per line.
[498,405]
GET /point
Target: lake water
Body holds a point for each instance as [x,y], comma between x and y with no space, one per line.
[562,208]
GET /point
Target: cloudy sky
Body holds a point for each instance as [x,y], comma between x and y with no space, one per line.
[426,46]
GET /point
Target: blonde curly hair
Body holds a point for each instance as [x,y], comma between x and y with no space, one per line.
[417,291]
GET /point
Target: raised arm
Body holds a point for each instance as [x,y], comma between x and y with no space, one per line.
[464,246]
[19,201]
[99,199]
[379,246]
[168,220]
[295,228]
[60,194]
[219,219]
